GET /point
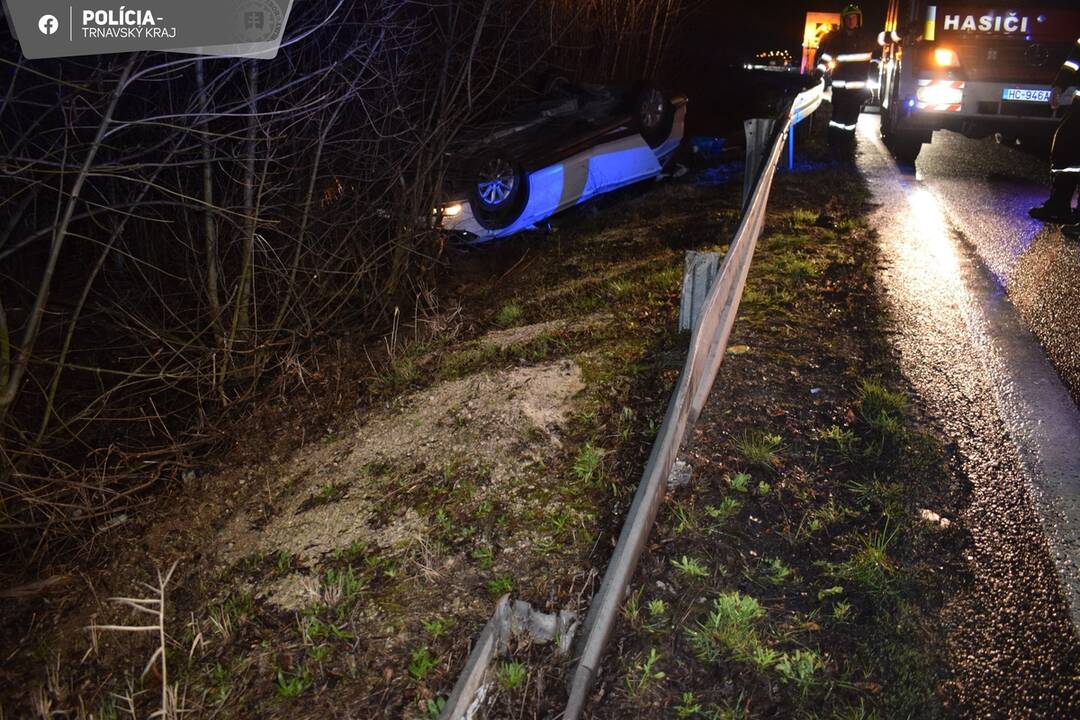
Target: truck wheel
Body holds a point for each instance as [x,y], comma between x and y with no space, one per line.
[1037,143]
[905,146]
[886,125]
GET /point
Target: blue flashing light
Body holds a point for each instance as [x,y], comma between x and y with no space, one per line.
[911,103]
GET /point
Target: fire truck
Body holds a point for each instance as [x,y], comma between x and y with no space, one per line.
[974,69]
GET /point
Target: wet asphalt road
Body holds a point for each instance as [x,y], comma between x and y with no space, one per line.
[979,371]
[984,190]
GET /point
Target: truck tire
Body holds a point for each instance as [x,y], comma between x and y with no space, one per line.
[1036,143]
[905,146]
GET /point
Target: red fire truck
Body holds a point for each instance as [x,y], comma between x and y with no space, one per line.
[973,69]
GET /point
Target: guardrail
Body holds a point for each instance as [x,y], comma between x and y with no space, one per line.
[708,343]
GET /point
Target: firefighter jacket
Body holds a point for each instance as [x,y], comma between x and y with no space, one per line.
[1069,74]
[846,55]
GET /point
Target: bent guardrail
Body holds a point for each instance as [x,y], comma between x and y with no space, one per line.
[708,344]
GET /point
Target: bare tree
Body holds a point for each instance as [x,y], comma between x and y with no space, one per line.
[176,230]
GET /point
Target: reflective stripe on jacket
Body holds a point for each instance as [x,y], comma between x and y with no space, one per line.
[847,55]
[1069,74]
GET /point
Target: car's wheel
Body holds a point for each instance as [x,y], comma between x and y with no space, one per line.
[653,115]
[498,191]
[554,84]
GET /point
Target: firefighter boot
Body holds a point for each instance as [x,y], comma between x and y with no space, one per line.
[1058,209]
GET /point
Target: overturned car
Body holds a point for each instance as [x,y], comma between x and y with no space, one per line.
[574,143]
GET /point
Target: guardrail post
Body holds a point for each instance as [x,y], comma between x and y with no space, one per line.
[699,273]
[791,149]
[758,133]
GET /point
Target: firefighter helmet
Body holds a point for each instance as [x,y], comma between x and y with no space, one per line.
[851,10]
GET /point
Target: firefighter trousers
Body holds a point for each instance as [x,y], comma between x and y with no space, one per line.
[847,105]
[1065,157]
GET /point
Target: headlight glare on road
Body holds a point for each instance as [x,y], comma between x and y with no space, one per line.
[452,210]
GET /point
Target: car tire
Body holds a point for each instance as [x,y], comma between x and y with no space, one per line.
[653,115]
[555,83]
[498,190]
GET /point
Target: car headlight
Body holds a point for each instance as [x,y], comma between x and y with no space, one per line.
[448,211]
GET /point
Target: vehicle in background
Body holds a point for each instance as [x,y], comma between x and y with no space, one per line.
[574,143]
[976,70]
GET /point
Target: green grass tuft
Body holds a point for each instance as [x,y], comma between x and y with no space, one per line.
[509,314]
[289,687]
[500,585]
[875,400]
[731,628]
[512,675]
[869,565]
[643,674]
[421,661]
[587,462]
[759,448]
[691,567]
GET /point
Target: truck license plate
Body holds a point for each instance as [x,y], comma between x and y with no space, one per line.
[1026,95]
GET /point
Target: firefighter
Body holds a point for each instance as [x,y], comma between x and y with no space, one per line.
[845,55]
[1065,152]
